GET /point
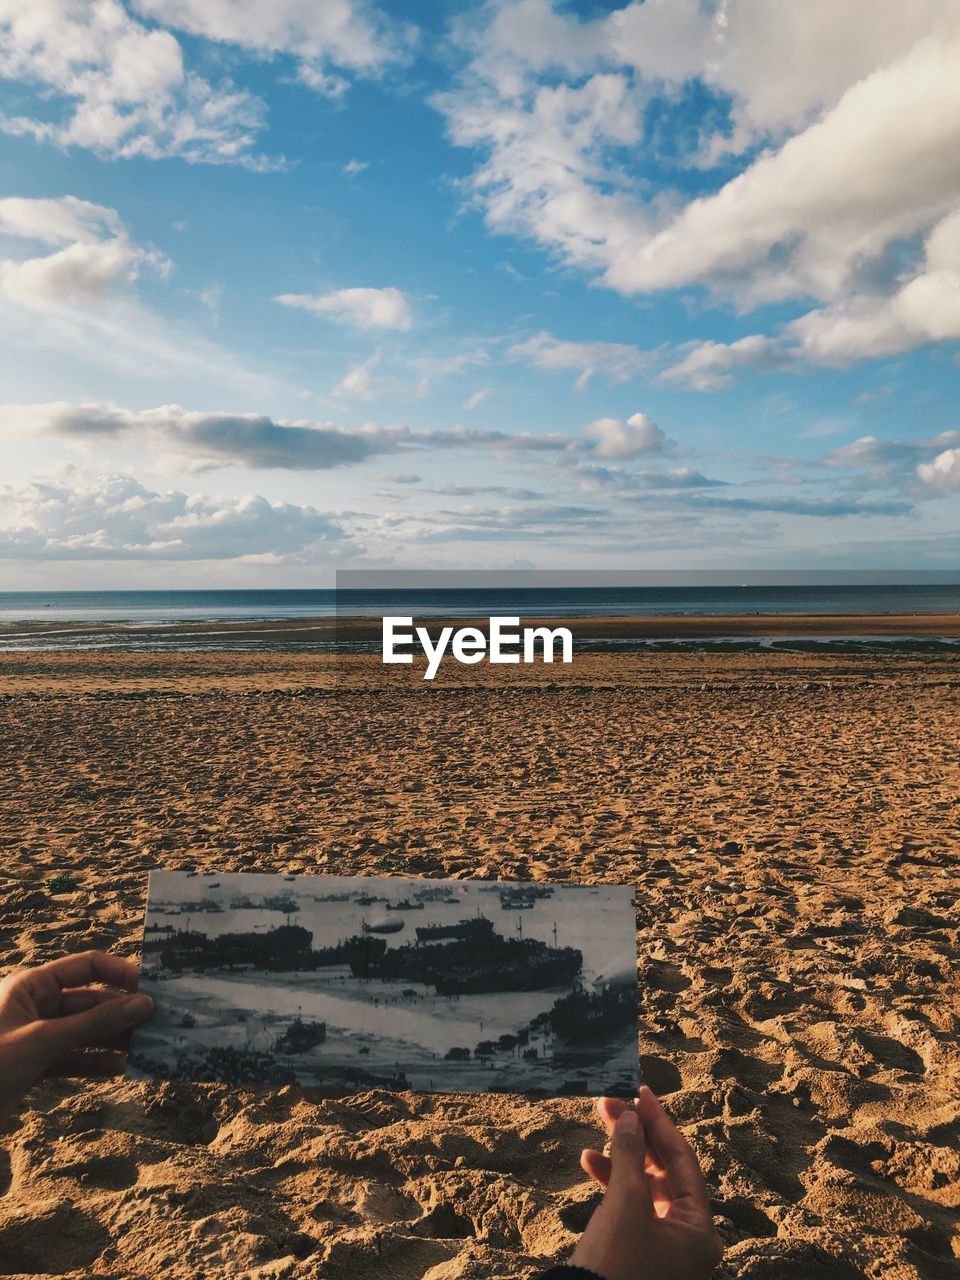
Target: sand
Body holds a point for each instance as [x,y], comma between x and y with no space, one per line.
[791,822]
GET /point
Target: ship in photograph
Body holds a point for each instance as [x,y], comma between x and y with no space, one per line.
[261,979]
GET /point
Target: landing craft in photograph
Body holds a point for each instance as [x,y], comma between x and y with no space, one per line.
[269,981]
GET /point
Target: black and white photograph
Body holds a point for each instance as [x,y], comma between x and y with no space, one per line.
[357,982]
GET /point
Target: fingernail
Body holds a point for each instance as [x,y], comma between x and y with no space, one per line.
[628,1121]
[136,1008]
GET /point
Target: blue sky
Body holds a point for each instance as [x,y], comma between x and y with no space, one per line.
[298,287]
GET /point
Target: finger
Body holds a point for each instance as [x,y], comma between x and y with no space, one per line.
[101,1023]
[84,998]
[81,1063]
[88,998]
[676,1155]
[609,1110]
[596,1164]
[89,966]
[628,1151]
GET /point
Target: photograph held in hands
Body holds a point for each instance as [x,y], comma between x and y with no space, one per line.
[356,982]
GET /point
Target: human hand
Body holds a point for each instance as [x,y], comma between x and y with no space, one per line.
[53,1022]
[654,1221]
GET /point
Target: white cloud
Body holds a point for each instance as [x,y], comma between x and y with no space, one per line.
[363,382]
[784,67]
[353,167]
[898,464]
[325,38]
[925,308]
[100,260]
[943,473]
[476,400]
[360,382]
[206,439]
[202,439]
[114,517]
[123,86]
[363,308]
[707,366]
[616,439]
[856,108]
[805,219]
[79,295]
[617,361]
[593,477]
[542,177]
[59,221]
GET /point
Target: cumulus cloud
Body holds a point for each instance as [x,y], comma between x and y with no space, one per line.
[900,464]
[59,221]
[115,517]
[122,87]
[616,361]
[846,119]
[90,254]
[943,473]
[802,220]
[363,308]
[924,308]
[326,39]
[616,439]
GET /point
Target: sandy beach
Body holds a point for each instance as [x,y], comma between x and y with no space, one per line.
[791,822]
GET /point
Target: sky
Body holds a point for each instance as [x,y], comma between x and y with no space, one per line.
[300,287]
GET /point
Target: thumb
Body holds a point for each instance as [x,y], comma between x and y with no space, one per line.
[628,1149]
[104,1021]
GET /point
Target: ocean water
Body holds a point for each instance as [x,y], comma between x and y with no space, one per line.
[139,607]
[55,620]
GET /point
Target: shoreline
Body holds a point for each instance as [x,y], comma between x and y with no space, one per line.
[327,633]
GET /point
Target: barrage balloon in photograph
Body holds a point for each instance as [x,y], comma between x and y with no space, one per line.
[350,982]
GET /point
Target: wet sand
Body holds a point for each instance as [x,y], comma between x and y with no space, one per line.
[791,822]
[322,632]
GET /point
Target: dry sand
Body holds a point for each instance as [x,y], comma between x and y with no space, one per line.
[791,823]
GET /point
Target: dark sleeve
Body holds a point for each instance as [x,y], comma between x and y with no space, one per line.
[568,1273]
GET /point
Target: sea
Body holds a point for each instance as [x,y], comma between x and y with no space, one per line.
[75,620]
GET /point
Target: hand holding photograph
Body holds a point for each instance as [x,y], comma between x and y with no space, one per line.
[356,982]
